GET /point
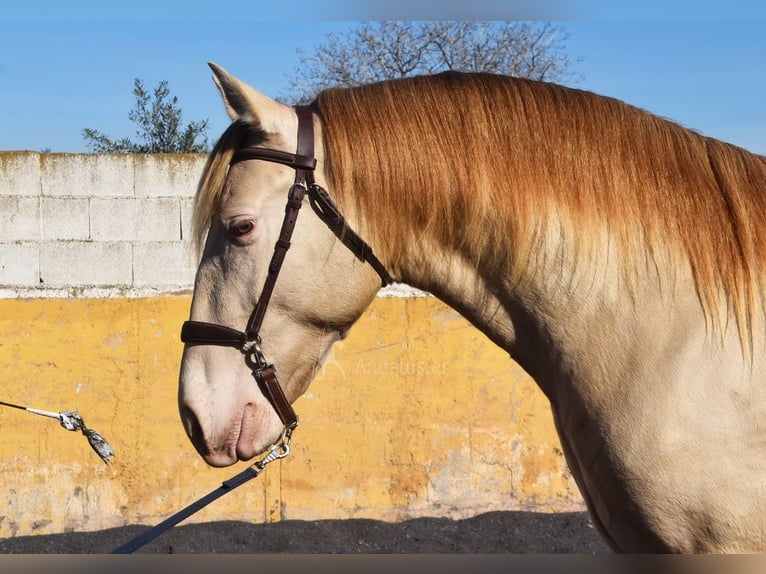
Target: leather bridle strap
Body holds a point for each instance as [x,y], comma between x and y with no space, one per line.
[304,163]
[319,199]
[324,207]
[249,340]
[197,332]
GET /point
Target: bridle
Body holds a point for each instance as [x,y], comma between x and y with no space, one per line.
[249,340]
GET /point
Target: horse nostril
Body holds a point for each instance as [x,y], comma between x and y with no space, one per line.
[192,426]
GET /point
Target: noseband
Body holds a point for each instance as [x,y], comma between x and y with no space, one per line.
[249,340]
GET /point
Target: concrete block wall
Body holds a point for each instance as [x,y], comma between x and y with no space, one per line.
[86,241]
[101,224]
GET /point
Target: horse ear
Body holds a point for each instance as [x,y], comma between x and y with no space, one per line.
[246,104]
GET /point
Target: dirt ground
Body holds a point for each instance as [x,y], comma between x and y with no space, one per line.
[489,533]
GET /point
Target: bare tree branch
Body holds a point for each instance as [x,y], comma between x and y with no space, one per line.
[385,50]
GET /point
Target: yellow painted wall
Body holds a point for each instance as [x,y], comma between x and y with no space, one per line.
[415,414]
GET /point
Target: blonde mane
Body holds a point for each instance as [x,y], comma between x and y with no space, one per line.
[479,161]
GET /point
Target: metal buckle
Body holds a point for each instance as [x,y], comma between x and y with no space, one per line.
[278,450]
[254,357]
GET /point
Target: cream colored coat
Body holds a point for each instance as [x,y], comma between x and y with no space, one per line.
[662,417]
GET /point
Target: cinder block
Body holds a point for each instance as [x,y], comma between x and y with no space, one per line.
[85,263]
[164,264]
[65,218]
[19,218]
[134,219]
[20,264]
[20,173]
[168,175]
[90,175]
[187,215]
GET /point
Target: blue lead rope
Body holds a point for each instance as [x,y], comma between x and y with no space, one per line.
[149,535]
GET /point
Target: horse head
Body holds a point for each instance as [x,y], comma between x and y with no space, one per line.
[322,288]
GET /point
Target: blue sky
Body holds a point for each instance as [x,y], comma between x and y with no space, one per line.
[67,66]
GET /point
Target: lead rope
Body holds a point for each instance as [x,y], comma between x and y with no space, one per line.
[277,451]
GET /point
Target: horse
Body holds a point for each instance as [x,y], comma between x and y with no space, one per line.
[615,255]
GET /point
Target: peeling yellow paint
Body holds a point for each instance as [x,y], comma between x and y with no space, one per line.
[414,414]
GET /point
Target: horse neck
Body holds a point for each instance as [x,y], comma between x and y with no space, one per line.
[566,315]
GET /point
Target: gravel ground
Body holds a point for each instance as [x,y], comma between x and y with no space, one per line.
[490,533]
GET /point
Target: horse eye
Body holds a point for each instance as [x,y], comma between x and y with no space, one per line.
[241,228]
